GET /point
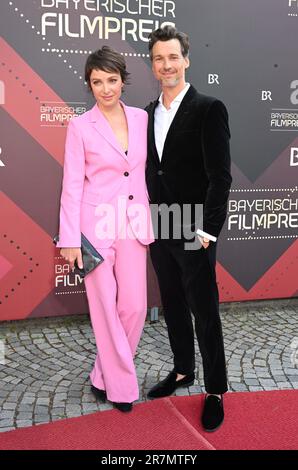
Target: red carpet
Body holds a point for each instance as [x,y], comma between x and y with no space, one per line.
[253,420]
[261,420]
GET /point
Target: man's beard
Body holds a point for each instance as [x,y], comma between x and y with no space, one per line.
[169,82]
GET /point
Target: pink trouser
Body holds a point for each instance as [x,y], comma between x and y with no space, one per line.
[117,297]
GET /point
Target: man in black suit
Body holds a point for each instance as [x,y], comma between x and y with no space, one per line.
[188,164]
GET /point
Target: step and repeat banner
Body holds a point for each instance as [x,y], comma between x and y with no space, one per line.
[241,52]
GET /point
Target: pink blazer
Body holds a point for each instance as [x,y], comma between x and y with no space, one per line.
[103,188]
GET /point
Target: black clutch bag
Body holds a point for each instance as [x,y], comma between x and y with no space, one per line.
[91,257]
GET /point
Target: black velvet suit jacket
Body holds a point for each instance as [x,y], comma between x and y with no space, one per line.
[195,165]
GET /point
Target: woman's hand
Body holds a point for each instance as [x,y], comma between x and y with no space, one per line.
[72,254]
[204,242]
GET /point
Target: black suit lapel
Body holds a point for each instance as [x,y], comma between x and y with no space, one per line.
[180,117]
[151,135]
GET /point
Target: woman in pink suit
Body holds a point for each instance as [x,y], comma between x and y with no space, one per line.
[104,196]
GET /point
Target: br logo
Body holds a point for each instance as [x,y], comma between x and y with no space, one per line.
[293,3]
[294,156]
[2,92]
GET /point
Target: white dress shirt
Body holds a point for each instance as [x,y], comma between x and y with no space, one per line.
[163,119]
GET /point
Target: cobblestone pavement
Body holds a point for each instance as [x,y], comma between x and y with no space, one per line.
[44,374]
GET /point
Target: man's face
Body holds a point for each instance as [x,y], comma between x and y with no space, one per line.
[168,63]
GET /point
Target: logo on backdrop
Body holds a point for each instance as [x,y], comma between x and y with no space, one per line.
[286,119]
[293,8]
[98,18]
[213,79]
[294,156]
[273,214]
[294,94]
[56,114]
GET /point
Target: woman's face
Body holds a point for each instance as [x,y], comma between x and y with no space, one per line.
[106,88]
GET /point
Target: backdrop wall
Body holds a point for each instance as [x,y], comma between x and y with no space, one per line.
[242,52]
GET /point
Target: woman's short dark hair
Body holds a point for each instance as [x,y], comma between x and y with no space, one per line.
[108,60]
[167,33]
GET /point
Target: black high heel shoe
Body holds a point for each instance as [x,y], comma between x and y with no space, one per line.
[99,394]
[124,407]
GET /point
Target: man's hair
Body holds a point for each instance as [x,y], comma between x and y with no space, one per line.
[166,34]
[108,60]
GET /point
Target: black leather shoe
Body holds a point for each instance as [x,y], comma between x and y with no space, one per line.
[125,407]
[99,394]
[170,384]
[213,413]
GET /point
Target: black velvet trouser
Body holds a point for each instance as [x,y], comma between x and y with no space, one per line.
[187,282]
